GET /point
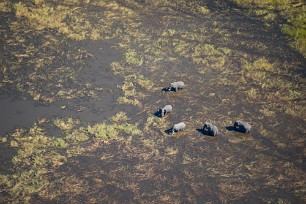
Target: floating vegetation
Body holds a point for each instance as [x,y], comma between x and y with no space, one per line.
[52,63]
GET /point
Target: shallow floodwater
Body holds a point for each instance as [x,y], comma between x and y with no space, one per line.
[21,114]
[235,66]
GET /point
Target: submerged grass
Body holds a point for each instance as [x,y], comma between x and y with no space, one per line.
[39,154]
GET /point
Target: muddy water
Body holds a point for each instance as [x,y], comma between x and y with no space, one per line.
[264,166]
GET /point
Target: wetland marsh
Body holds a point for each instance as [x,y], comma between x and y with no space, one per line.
[80,81]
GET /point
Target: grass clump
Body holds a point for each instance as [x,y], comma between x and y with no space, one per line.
[31,163]
[77,135]
[204,10]
[296,29]
[260,70]
[208,55]
[264,65]
[118,126]
[132,58]
[125,100]
[5,6]
[103,131]
[276,86]
[27,183]
[120,117]
[119,69]
[3,139]
[252,93]
[153,121]
[143,82]
[43,16]
[267,112]
[65,124]
[130,94]
[38,155]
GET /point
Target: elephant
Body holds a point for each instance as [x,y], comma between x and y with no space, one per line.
[176,86]
[242,126]
[165,110]
[210,129]
[178,127]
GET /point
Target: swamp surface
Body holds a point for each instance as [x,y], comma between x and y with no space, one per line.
[81,81]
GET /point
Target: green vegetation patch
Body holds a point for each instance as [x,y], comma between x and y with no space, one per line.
[154,122]
[39,45]
[294,12]
[278,86]
[108,131]
[69,18]
[6,6]
[132,58]
[135,87]
[65,124]
[50,70]
[39,154]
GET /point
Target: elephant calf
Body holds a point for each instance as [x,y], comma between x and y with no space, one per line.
[178,127]
[210,129]
[242,126]
[167,109]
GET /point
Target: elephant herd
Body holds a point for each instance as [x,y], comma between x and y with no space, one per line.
[208,128]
